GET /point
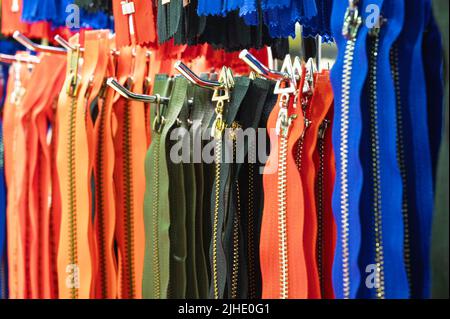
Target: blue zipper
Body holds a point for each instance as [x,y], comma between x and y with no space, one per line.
[419,186]
[381,204]
[348,77]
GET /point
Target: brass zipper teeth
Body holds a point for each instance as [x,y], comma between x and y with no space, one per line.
[282,212]
[128,200]
[236,219]
[218,158]
[155,221]
[251,229]
[401,158]
[375,157]
[100,194]
[73,244]
[235,273]
[320,191]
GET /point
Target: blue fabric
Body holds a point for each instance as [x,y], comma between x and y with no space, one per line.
[54,11]
[208,7]
[417,148]
[394,271]
[433,63]
[353,167]
[319,24]
[3,274]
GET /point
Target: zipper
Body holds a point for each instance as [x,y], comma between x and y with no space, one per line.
[218,128]
[73,248]
[236,222]
[401,158]
[320,194]
[352,22]
[282,128]
[156,138]
[128,201]
[100,196]
[376,165]
[251,228]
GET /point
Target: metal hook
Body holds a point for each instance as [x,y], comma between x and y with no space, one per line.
[30,45]
[260,68]
[119,88]
[193,78]
[6,58]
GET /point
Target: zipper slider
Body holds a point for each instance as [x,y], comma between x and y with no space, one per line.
[323,128]
[73,84]
[284,121]
[352,21]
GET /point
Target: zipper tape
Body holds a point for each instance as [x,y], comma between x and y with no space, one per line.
[433,65]
[175,180]
[156,211]
[221,204]
[419,186]
[105,280]
[348,76]
[248,116]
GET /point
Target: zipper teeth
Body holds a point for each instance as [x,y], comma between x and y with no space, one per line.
[250,230]
[376,174]
[218,155]
[100,190]
[282,212]
[73,245]
[235,273]
[320,211]
[401,158]
[344,137]
[128,200]
[155,218]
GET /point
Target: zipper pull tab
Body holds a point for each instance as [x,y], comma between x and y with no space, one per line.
[323,128]
[284,121]
[352,21]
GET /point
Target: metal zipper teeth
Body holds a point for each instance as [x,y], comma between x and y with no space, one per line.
[375,158]
[155,221]
[401,158]
[235,267]
[251,229]
[218,158]
[320,193]
[351,25]
[282,212]
[73,245]
[100,195]
[128,200]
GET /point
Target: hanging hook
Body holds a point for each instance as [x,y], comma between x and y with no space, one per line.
[260,68]
[195,79]
[6,58]
[123,91]
[30,45]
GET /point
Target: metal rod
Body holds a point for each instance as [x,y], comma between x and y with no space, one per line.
[6,58]
[260,68]
[119,88]
[30,45]
[192,77]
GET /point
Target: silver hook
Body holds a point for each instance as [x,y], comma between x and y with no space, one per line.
[30,45]
[194,78]
[119,88]
[260,68]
